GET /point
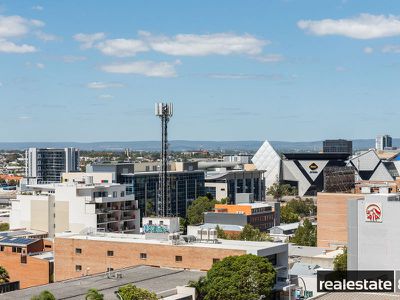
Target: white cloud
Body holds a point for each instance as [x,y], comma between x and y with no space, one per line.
[270,58]
[104,85]
[147,68]
[10,47]
[364,26]
[1,84]
[47,37]
[87,40]
[122,47]
[39,65]
[368,50]
[207,44]
[106,96]
[391,49]
[37,7]
[73,58]
[16,26]
[24,117]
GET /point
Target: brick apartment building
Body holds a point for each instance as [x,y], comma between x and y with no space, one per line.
[24,258]
[80,255]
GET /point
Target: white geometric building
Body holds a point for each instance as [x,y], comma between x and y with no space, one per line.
[266,158]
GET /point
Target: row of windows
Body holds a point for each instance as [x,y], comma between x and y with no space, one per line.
[178,258]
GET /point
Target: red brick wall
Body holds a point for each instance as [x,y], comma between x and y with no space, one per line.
[94,256]
[34,272]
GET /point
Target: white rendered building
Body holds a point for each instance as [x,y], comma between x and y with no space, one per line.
[76,207]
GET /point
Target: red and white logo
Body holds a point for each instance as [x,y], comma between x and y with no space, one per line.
[373,213]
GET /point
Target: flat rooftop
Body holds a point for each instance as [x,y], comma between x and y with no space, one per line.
[249,247]
[161,281]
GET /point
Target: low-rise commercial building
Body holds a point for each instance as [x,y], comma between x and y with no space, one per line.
[21,254]
[258,215]
[74,207]
[78,255]
[162,281]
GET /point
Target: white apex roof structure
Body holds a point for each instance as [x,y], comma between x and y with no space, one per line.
[269,160]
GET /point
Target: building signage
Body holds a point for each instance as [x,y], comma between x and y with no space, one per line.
[373,212]
[313,168]
[155,228]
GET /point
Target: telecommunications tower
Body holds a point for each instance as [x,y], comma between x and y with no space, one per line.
[164,111]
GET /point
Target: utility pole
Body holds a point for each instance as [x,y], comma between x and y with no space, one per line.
[164,111]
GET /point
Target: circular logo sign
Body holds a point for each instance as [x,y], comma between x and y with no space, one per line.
[373,213]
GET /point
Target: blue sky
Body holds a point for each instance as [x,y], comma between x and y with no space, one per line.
[235,70]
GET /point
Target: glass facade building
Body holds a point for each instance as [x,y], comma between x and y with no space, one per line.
[185,187]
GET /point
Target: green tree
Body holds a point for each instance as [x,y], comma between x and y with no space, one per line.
[221,233]
[340,262]
[303,208]
[94,294]
[245,277]
[131,292]
[4,226]
[149,208]
[288,216]
[306,235]
[198,208]
[277,191]
[249,233]
[224,200]
[4,277]
[45,295]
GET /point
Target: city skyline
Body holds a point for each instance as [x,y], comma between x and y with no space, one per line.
[277,70]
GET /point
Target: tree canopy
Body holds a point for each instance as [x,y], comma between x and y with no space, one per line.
[131,292]
[94,294]
[246,277]
[4,277]
[249,233]
[340,262]
[198,208]
[45,295]
[296,209]
[277,190]
[306,235]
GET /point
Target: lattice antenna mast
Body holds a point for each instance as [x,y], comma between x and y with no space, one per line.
[164,111]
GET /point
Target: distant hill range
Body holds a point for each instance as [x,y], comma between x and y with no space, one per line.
[182,145]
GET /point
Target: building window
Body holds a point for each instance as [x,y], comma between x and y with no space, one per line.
[143,255]
[178,258]
[78,250]
[215,260]
[122,194]
[110,253]
[1,248]
[16,249]
[110,269]
[115,194]
[78,268]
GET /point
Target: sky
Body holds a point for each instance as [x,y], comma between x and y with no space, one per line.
[284,70]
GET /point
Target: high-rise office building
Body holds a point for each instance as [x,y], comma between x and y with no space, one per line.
[338,146]
[383,141]
[46,165]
